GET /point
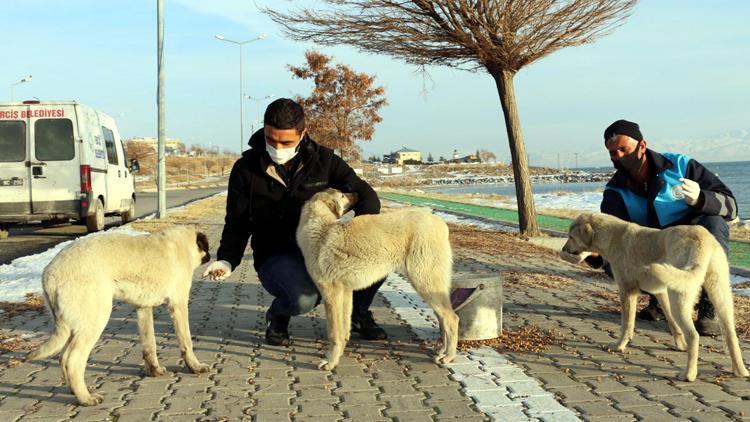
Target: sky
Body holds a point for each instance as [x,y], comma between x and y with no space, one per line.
[680,68]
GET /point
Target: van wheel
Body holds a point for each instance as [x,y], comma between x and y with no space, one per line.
[95,222]
[129,215]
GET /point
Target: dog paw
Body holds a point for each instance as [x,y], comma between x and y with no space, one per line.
[617,347]
[680,344]
[93,400]
[688,376]
[741,372]
[438,359]
[154,371]
[326,365]
[200,368]
[445,359]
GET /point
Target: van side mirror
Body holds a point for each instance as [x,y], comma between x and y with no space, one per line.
[134,166]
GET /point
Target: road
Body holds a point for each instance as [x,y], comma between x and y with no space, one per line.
[35,238]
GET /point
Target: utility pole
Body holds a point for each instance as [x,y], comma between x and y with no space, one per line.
[576,155]
[161,168]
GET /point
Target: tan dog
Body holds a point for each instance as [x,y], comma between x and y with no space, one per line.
[346,256]
[673,264]
[146,271]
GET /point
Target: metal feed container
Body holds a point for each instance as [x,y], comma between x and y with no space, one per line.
[478,301]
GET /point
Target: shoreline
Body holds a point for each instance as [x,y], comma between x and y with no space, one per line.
[416,181]
[739,229]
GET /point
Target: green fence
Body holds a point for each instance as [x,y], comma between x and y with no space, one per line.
[739,251]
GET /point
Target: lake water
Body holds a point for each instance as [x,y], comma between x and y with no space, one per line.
[736,175]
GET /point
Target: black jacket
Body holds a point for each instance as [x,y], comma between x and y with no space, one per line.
[717,198]
[261,205]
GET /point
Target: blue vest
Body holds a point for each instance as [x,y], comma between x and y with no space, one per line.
[669,203]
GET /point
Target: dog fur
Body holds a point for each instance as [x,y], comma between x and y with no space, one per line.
[146,271]
[345,256]
[673,264]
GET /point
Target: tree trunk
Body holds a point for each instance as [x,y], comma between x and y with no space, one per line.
[526,211]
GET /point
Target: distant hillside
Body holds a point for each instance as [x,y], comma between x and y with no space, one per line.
[734,146]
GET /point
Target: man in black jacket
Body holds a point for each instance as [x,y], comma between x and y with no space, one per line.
[267,187]
[663,190]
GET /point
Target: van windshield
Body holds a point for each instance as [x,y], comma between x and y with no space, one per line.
[53,140]
[12,141]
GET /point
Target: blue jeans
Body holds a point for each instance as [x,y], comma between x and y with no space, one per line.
[717,226]
[285,277]
[720,229]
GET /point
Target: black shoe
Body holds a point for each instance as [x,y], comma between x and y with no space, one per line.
[706,324]
[708,327]
[367,328]
[652,312]
[277,333]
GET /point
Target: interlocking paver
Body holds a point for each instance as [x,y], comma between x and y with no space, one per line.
[391,380]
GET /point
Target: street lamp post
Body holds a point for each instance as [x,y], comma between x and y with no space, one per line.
[257,107]
[240,43]
[13,85]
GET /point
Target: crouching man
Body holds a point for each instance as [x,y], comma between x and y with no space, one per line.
[664,190]
[267,187]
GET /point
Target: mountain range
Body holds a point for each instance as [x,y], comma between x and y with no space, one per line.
[732,146]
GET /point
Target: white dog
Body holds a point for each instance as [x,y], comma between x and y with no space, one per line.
[673,264]
[146,271]
[346,256]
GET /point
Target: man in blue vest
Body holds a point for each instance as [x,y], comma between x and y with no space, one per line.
[664,190]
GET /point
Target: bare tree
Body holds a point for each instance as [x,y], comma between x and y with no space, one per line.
[486,156]
[498,36]
[343,106]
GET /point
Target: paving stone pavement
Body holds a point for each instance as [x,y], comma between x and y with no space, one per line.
[639,384]
[393,380]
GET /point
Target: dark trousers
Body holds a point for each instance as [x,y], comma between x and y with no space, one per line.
[285,277]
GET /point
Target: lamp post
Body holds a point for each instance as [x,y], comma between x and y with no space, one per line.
[240,43]
[257,108]
[13,85]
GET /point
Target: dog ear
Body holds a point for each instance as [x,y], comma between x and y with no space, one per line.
[587,232]
[332,205]
[202,241]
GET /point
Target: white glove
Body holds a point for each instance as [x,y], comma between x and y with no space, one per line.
[218,270]
[691,190]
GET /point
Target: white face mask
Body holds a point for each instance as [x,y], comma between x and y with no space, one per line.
[282,155]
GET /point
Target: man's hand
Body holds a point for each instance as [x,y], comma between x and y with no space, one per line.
[218,270]
[692,191]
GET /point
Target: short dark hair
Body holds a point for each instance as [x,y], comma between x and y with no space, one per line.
[285,113]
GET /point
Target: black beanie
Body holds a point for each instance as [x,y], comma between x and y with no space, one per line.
[623,127]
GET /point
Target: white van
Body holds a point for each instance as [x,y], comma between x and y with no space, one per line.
[62,160]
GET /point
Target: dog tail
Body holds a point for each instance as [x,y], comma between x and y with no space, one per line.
[54,344]
[678,278]
[700,257]
[59,338]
